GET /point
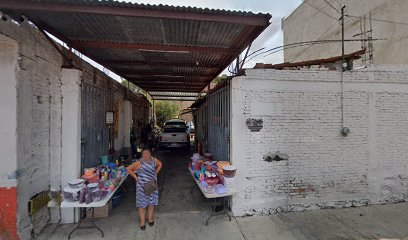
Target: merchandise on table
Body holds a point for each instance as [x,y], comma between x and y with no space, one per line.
[213,176]
[71,194]
[208,157]
[76,183]
[89,171]
[229,171]
[96,183]
[220,165]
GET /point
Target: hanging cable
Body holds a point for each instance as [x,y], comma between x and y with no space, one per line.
[335,9]
[307,43]
[321,36]
[318,9]
[381,20]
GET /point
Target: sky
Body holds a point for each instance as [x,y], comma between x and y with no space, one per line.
[271,37]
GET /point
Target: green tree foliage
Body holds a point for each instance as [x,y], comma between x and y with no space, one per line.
[220,78]
[165,110]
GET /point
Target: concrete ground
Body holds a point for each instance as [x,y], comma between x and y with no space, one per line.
[182,213]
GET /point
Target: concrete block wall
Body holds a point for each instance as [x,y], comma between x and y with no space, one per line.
[8,133]
[38,118]
[301,113]
[32,106]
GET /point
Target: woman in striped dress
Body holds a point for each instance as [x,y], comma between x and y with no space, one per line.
[144,171]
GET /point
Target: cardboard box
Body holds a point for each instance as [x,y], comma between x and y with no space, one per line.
[101,212]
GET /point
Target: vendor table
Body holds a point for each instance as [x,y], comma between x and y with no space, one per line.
[213,196]
[92,205]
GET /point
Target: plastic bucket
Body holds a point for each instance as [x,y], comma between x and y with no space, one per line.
[229,183]
[105,160]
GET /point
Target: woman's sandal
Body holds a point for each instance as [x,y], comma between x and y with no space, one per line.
[143,227]
[151,224]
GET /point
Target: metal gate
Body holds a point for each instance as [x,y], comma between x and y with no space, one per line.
[95,134]
[212,120]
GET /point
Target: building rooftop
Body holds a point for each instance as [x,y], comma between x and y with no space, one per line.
[159,48]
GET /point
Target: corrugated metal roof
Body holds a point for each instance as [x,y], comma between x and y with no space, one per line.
[124,4]
[188,47]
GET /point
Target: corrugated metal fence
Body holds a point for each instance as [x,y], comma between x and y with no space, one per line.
[212,121]
[94,131]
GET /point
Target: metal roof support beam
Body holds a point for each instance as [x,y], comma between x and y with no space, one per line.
[171,89]
[157,75]
[150,47]
[155,96]
[153,79]
[174,85]
[174,95]
[171,64]
[132,12]
[176,99]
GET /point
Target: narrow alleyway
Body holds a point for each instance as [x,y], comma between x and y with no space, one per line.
[178,191]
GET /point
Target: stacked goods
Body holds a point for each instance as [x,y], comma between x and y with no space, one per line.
[213,176]
[208,157]
[229,171]
[220,165]
[96,183]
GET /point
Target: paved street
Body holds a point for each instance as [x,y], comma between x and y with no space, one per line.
[182,213]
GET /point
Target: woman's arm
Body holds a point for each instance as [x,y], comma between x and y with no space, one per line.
[131,169]
[158,165]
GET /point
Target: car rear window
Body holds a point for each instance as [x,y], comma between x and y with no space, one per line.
[174,127]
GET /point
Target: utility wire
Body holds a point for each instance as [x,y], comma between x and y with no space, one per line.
[299,44]
[335,9]
[380,20]
[338,3]
[321,36]
[320,10]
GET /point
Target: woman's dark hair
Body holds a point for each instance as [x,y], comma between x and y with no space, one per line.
[146,149]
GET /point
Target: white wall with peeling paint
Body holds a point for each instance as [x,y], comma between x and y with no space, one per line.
[71,134]
[301,113]
[8,111]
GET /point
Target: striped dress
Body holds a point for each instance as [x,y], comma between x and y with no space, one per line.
[146,173]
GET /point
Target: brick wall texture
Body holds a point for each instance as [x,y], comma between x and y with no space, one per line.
[302,117]
[39,120]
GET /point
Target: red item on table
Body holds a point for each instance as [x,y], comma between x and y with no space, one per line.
[212,181]
[91,179]
[198,166]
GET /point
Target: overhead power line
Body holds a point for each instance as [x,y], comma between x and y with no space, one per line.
[335,9]
[319,38]
[320,10]
[381,20]
[299,44]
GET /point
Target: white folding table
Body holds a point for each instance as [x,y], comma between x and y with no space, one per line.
[213,196]
[92,205]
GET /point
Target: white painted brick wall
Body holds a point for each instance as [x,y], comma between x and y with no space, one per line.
[301,112]
[39,117]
